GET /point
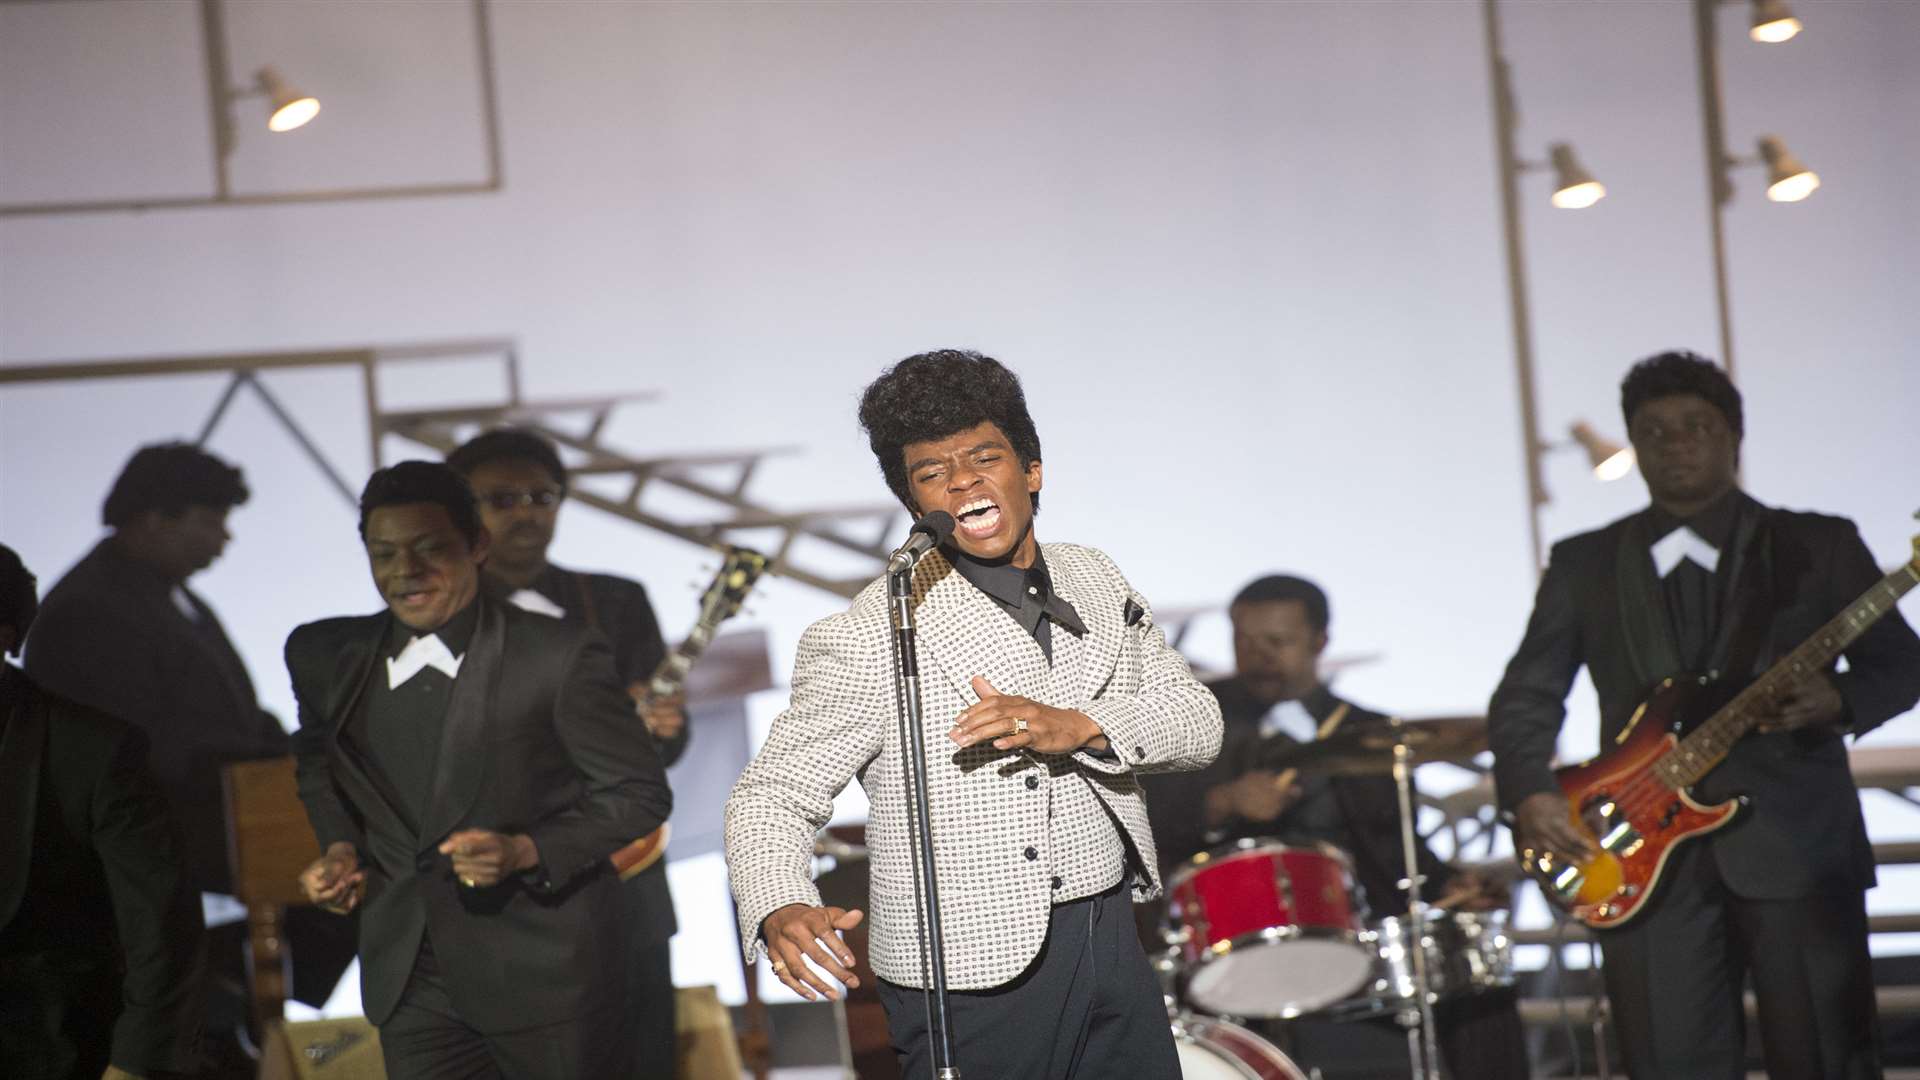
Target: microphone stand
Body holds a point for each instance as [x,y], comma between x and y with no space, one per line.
[906,670]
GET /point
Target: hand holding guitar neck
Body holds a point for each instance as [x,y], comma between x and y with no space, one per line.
[661,706]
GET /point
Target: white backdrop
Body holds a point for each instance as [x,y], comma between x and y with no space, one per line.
[1245,256]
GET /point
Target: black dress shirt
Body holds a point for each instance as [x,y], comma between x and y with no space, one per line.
[1025,595]
[402,726]
[1316,816]
[1695,596]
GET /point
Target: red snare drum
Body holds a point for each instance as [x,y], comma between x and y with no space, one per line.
[1269,930]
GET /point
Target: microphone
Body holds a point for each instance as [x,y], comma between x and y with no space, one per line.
[928,533]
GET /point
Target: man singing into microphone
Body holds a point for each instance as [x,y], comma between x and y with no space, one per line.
[1047,689]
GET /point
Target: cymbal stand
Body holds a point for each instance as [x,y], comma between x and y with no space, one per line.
[1423,1046]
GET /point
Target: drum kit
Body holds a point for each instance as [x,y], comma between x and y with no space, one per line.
[1265,930]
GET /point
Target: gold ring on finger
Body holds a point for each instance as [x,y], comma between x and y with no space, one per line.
[1019,725]
[778,966]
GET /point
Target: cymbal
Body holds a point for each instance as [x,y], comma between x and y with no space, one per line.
[1368,749]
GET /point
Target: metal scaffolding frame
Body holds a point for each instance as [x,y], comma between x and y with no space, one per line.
[858,532]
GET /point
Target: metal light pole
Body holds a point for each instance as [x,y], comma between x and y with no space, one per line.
[1719,184]
[1507,166]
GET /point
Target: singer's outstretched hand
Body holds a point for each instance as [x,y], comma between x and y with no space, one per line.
[1047,730]
[797,933]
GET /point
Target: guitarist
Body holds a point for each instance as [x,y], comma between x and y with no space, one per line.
[1707,579]
[520,482]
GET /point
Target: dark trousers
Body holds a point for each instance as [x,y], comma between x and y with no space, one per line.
[1087,1008]
[56,1016]
[650,1011]
[1675,973]
[425,1039]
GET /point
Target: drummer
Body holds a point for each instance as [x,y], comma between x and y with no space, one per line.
[1276,702]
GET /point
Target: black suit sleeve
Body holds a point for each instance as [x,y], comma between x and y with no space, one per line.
[313,770]
[625,793]
[1882,679]
[1524,718]
[155,908]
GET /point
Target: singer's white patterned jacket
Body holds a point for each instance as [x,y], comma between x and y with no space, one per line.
[1005,823]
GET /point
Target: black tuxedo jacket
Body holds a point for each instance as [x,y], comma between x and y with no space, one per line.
[1600,606]
[539,739]
[620,610]
[109,637]
[92,879]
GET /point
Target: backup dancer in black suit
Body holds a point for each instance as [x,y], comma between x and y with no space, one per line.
[1708,579]
[124,632]
[468,768]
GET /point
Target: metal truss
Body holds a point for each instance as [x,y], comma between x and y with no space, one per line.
[837,549]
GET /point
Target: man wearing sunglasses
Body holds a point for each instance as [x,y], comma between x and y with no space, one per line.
[520,482]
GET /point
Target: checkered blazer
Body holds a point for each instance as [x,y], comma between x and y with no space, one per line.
[987,814]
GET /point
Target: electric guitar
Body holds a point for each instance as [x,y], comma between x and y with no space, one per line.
[719,603]
[1633,801]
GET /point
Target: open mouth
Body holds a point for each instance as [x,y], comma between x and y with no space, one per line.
[978,518]
[413,598]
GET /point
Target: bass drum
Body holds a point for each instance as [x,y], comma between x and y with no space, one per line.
[1216,1050]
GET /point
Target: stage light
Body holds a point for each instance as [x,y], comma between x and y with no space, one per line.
[1574,188]
[1610,460]
[1773,22]
[1788,179]
[287,108]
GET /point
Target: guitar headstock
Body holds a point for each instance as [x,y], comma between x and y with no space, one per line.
[731,585]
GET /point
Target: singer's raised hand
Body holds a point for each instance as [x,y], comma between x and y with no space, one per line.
[1017,723]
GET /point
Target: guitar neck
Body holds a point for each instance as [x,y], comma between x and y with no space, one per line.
[1708,745]
[671,675]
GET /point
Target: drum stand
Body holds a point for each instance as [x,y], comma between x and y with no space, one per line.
[1423,1046]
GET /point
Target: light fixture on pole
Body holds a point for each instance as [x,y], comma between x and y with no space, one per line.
[1773,22]
[1574,188]
[1610,460]
[1788,179]
[287,108]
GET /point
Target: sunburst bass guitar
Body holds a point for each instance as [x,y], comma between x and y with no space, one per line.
[720,602]
[1634,802]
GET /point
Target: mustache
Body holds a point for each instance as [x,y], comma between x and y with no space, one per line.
[525,530]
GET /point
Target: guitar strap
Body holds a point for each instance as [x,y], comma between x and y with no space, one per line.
[586,599]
